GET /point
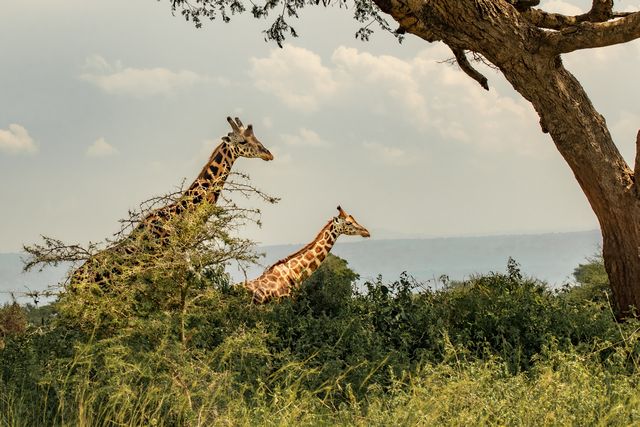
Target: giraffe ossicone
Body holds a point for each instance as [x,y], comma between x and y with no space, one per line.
[278,280]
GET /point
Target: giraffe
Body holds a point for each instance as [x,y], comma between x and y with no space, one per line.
[207,186]
[278,280]
[241,142]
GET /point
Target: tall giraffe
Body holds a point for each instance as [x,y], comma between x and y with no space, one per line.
[241,142]
[207,186]
[278,280]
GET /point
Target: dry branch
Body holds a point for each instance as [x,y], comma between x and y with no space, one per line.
[465,66]
[589,35]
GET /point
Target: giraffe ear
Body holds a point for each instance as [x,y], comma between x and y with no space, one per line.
[249,130]
[342,212]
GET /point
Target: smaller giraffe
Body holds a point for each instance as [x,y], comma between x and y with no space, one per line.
[278,280]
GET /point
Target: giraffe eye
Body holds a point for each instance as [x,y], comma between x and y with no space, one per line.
[244,141]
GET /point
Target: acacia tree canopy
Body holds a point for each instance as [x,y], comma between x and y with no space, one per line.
[197,11]
[525,43]
[597,28]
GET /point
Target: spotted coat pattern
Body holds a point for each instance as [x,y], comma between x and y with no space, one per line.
[207,186]
[278,280]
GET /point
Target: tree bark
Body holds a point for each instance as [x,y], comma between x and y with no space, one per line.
[529,57]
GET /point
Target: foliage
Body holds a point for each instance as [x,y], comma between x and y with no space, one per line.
[137,274]
[498,348]
[364,11]
[13,320]
[593,280]
[592,273]
[39,316]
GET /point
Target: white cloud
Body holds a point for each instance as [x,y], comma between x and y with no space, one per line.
[304,137]
[630,8]
[281,156]
[138,82]
[559,6]
[431,97]
[626,125]
[389,74]
[267,122]
[294,75]
[624,131]
[388,154]
[101,148]
[435,97]
[16,140]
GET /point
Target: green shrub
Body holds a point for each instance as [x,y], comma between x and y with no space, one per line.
[13,320]
[592,282]
[499,349]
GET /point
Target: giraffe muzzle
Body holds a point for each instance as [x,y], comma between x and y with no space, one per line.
[266,155]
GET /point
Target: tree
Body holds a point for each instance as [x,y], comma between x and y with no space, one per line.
[592,273]
[525,43]
[330,287]
[13,321]
[151,276]
[591,280]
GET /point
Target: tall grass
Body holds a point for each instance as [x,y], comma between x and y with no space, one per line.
[564,389]
[498,349]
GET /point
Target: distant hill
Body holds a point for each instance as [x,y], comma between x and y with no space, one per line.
[12,279]
[550,257]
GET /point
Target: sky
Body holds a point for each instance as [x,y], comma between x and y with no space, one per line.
[105,104]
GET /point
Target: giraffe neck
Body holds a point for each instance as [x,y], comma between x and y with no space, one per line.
[207,186]
[209,183]
[303,263]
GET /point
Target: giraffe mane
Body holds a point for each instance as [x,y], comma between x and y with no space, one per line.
[213,153]
[301,250]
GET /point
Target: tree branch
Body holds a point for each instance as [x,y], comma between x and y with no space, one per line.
[465,66]
[54,251]
[636,168]
[523,5]
[587,35]
[601,11]
[408,21]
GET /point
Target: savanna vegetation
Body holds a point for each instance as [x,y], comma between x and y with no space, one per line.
[157,335]
[525,42]
[173,343]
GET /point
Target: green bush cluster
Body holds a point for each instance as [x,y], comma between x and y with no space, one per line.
[498,348]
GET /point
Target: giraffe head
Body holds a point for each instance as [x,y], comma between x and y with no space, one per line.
[346,224]
[244,142]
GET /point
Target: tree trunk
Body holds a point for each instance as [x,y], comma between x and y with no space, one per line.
[583,140]
[621,247]
[529,57]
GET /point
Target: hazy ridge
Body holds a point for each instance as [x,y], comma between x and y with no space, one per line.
[550,257]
